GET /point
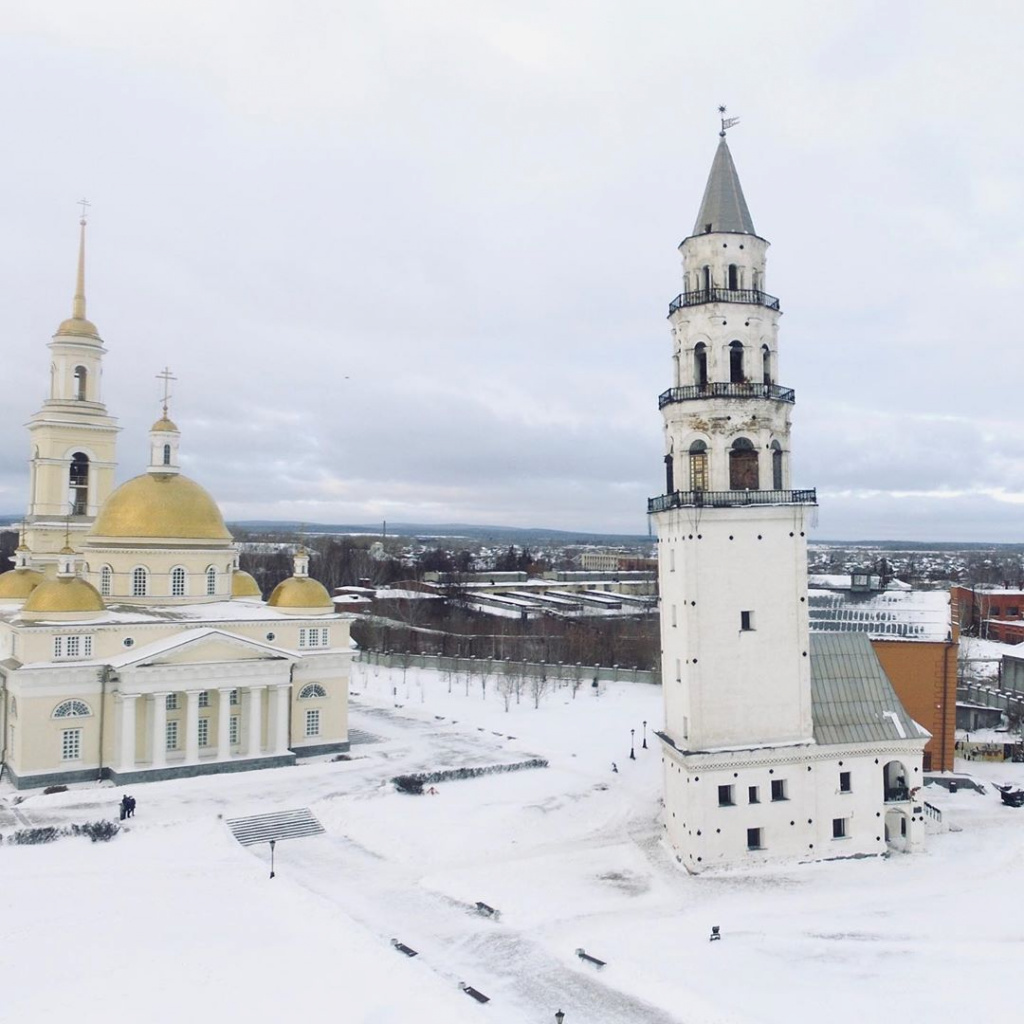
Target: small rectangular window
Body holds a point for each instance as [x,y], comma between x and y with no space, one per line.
[172,735]
[838,828]
[754,840]
[746,620]
[845,784]
[204,732]
[302,637]
[233,729]
[753,796]
[58,647]
[70,744]
[171,702]
[725,796]
[313,722]
[204,698]
[234,698]
[779,789]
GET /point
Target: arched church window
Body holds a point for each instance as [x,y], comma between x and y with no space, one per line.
[211,581]
[734,281]
[106,580]
[766,364]
[312,690]
[743,474]
[177,581]
[698,466]
[167,454]
[776,465]
[140,581]
[81,378]
[78,482]
[700,364]
[736,375]
[72,709]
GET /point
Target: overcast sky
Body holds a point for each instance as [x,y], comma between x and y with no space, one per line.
[413,259]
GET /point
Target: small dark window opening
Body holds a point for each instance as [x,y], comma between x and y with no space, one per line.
[903,827]
[736,362]
[700,365]
[167,454]
[725,796]
[766,364]
[78,481]
[753,839]
[707,274]
[838,828]
[753,796]
[776,466]
[845,785]
[778,789]
[81,376]
[746,620]
[733,277]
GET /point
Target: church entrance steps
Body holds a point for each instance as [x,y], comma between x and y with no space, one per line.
[262,828]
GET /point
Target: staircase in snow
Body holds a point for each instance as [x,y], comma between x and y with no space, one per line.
[261,828]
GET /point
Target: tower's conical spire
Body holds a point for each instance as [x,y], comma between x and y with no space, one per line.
[78,325]
[723,207]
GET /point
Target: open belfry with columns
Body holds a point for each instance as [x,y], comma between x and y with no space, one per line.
[132,647]
[778,744]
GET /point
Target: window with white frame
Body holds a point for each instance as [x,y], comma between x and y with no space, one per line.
[171,702]
[233,729]
[204,698]
[313,722]
[70,744]
[204,732]
[312,690]
[106,580]
[172,735]
[839,828]
[140,581]
[75,646]
[211,581]
[72,709]
[234,698]
[314,637]
[177,582]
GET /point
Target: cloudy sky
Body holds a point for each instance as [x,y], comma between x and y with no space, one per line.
[412,260]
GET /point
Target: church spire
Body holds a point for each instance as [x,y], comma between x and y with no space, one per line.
[723,207]
[78,325]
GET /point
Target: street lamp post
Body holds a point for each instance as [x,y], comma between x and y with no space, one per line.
[559,1017]
[632,751]
[273,843]
[644,744]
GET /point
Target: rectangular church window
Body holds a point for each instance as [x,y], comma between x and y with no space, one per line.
[70,744]
[754,839]
[845,783]
[725,796]
[171,702]
[233,730]
[204,732]
[313,722]
[838,828]
[172,735]
[746,621]
[204,698]
[779,789]
[753,796]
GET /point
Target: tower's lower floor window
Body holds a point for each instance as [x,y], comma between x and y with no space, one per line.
[755,841]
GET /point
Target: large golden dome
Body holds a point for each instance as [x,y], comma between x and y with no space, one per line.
[242,585]
[300,592]
[17,584]
[67,594]
[161,505]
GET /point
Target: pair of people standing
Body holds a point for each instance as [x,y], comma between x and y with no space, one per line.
[127,807]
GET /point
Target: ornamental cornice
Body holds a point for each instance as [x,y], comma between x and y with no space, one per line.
[798,756]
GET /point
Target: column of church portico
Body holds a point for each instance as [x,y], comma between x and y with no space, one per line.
[127,752]
[255,733]
[158,736]
[191,726]
[223,724]
[283,695]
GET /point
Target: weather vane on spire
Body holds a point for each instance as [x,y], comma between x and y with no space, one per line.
[166,376]
[727,122]
[84,204]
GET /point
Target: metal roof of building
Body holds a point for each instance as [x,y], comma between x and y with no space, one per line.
[852,700]
[882,614]
[723,207]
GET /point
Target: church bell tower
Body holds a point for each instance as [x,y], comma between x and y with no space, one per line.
[73,439]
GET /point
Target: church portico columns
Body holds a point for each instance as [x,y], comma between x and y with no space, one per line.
[126,752]
[158,736]
[254,736]
[223,723]
[281,702]
[191,726]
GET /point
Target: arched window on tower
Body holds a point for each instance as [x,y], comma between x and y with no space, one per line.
[81,380]
[736,375]
[78,484]
[700,364]
[766,364]
[776,465]
[706,284]
[211,581]
[167,454]
[140,581]
[106,581]
[698,466]
[178,581]
[743,475]
[734,277]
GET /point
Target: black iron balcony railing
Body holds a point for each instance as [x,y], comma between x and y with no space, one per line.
[692,392]
[752,296]
[896,794]
[730,499]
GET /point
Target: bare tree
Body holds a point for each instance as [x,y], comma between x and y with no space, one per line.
[539,682]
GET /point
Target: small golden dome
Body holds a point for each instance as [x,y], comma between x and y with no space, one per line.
[165,424]
[17,584]
[71,594]
[242,585]
[79,327]
[67,550]
[300,592]
[161,505]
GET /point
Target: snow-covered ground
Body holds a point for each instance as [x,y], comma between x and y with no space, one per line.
[174,919]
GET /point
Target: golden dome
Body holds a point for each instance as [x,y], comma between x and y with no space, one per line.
[79,327]
[161,505]
[300,592]
[165,424]
[71,594]
[17,584]
[242,585]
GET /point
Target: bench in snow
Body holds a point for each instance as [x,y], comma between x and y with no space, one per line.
[584,955]
[475,993]
[403,948]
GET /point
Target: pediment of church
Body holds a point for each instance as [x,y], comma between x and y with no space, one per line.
[203,647]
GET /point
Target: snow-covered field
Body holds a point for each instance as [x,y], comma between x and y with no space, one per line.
[173,919]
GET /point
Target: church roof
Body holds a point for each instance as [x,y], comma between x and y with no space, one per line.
[723,207]
[852,700]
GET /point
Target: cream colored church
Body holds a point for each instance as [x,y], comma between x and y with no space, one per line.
[131,645]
